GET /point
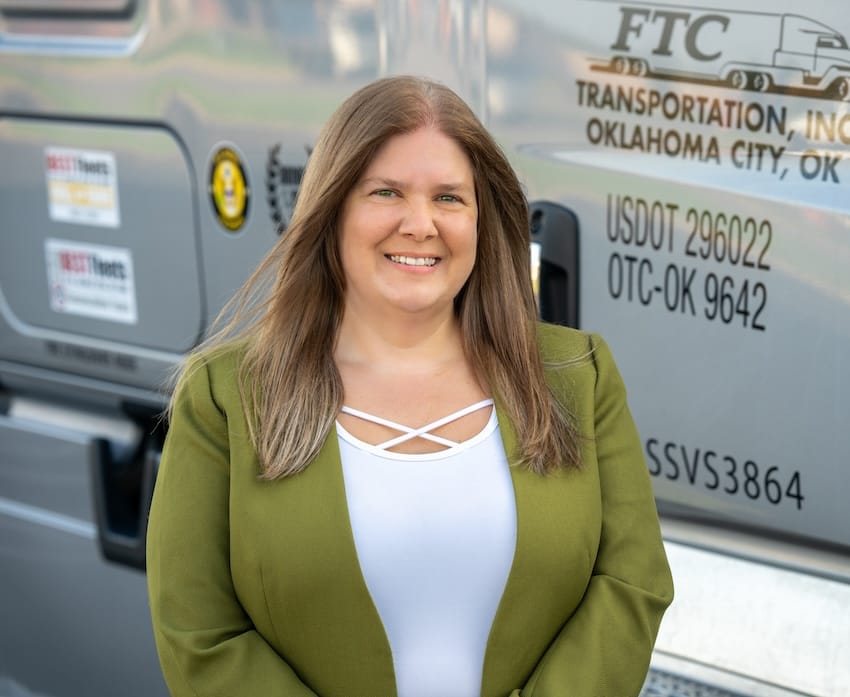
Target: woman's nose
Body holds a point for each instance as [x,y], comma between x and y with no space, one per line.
[418,221]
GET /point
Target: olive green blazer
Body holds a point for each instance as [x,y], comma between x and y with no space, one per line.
[256,591]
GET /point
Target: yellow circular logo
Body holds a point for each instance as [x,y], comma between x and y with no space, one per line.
[229,189]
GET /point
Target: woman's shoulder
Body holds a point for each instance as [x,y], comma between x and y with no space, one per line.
[564,350]
[214,369]
[560,344]
[578,361]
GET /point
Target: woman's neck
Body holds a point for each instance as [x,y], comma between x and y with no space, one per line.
[411,372]
[406,341]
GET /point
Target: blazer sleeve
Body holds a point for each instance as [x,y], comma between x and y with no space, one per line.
[604,648]
[207,644]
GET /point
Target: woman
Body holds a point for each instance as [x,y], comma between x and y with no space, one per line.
[384,477]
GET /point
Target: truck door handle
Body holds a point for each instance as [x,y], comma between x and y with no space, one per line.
[122,489]
[555,230]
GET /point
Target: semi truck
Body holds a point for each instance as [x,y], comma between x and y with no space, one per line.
[747,50]
[150,154]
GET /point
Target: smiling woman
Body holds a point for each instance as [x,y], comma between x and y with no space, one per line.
[408,233]
[382,475]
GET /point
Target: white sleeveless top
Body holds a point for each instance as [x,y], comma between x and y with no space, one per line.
[435,536]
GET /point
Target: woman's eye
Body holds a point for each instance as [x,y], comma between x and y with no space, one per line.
[385,193]
[448,198]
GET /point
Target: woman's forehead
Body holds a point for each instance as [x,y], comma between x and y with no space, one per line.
[425,151]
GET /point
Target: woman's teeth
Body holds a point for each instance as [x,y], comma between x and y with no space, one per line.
[414,261]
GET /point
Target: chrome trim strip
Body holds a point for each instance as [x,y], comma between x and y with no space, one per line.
[48,519]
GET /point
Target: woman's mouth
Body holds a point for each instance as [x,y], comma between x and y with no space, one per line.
[413,261]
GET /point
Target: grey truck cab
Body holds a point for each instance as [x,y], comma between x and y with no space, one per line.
[688,172]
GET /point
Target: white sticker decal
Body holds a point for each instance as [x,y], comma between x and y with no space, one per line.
[91,281]
[82,187]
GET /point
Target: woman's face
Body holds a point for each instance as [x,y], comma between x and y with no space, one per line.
[408,231]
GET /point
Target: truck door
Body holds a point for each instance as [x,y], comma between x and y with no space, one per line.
[99,289]
[98,279]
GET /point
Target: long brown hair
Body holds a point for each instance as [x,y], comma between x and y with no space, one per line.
[288,312]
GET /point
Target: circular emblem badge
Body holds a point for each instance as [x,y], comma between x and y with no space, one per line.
[229,190]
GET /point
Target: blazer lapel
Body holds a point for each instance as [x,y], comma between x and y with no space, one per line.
[552,562]
[317,592]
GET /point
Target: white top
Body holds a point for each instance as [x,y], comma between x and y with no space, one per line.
[435,535]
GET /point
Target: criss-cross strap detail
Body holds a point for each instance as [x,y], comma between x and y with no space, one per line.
[421,432]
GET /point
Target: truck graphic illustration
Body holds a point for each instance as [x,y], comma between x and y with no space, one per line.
[763,52]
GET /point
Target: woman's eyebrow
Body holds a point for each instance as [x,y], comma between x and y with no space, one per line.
[383,181]
[396,184]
